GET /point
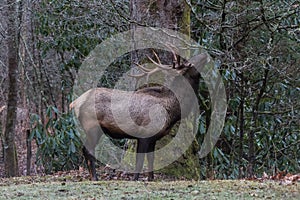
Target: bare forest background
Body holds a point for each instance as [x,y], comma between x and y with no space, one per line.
[256,46]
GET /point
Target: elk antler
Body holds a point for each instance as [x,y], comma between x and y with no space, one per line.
[147,72]
[159,65]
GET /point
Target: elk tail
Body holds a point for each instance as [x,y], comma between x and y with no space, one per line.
[72,105]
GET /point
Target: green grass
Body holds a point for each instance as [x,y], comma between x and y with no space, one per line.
[47,188]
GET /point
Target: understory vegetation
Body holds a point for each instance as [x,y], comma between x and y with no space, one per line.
[255,46]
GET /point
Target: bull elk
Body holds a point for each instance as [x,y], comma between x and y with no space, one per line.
[98,101]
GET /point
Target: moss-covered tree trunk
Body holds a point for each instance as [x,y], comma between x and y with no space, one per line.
[173,15]
[10,154]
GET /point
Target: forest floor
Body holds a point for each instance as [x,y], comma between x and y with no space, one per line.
[74,185]
[116,185]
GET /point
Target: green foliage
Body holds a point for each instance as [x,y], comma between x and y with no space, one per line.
[115,71]
[75,26]
[66,32]
[257,44]
[59,143]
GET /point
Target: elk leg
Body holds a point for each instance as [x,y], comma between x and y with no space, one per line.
[142,148]
[90,162]
[150,158]
[92,138]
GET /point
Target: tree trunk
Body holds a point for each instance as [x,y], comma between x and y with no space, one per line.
[29,153]
[173,15]
[242,125]
[10,153]
[255,109]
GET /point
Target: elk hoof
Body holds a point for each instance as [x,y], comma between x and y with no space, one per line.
[136,177]
[150,177]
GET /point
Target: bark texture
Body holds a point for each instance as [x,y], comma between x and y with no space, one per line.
[10,154]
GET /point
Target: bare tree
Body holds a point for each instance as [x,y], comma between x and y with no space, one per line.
[10,153]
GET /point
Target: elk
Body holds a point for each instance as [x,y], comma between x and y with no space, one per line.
[98,101]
